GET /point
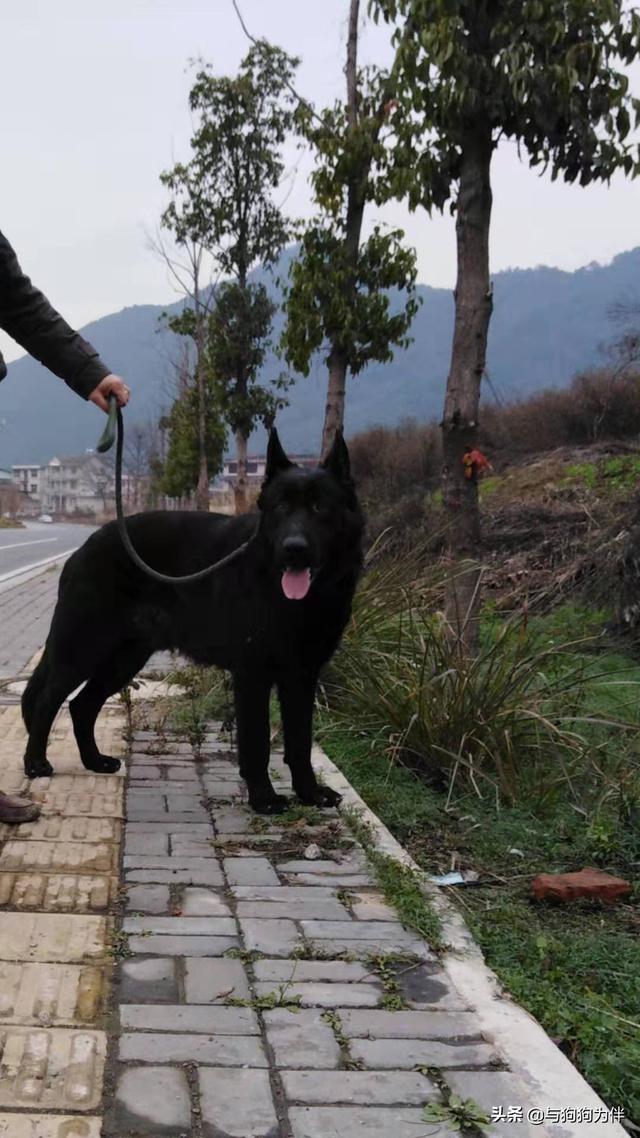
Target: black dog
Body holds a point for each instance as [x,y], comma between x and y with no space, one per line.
[273,616]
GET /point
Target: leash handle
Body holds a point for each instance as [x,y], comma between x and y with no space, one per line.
[108,436]
[113,431]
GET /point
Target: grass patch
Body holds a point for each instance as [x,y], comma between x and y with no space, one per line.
[401,887]
[400,884]
[576,968]
[605,476]
[297,814]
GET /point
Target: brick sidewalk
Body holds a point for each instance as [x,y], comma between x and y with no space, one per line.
[258,993]
[58,881]
[267,994]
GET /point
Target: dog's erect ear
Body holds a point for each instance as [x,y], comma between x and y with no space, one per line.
[277,460]
[337,460]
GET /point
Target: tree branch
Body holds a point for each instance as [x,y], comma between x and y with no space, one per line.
[299,99]
[352,65]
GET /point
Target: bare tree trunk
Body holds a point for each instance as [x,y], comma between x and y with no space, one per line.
[337,362]
[357,190]
[240,486]
[202,488]
[473,307]
[334,408]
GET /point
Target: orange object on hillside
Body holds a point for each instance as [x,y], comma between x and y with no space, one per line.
[475,463]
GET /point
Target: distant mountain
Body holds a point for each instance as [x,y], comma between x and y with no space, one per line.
[547,325]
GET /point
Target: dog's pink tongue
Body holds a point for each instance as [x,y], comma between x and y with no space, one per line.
[295,583]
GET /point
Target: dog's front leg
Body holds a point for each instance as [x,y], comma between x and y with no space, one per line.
[297,694]
[251,692]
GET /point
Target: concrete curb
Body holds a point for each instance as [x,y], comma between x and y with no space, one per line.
[549,1079]
[21,576]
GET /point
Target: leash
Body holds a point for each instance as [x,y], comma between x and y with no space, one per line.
[114,430]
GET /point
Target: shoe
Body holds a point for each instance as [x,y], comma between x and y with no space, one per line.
[16,810]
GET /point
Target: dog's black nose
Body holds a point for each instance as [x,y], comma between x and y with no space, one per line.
[296,551]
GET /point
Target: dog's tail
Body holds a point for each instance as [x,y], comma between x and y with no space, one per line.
[33,689]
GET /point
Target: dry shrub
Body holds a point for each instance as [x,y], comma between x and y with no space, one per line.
[597,405]
[390,462]
[523,428]
[397,459]
[395,468]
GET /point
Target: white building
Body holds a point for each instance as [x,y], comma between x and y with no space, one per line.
[27,477]
[78,484]
[256,467]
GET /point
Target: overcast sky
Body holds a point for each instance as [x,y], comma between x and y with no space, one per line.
[93,105]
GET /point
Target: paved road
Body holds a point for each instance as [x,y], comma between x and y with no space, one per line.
[21,548]
[25,615]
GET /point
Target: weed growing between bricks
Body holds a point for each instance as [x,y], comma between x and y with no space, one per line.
[461,1116]
[245,955]
[118,946]
[387,971]
[400,884]
[316,952]
[278,998]
[335,1023]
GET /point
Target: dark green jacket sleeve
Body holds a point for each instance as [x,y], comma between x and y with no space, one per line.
[29,319]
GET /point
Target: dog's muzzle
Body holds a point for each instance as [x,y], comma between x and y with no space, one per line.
[296,575]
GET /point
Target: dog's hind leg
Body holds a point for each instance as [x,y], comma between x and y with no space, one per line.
[112,676]
[297,695]
[34,687]
[46,706]
[252,693]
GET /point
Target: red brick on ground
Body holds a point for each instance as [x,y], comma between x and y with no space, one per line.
[591,883]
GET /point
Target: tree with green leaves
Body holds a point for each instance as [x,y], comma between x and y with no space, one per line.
[546,74]
[182,463]
[238,341]
[339,296]
[223,198]
[190,322]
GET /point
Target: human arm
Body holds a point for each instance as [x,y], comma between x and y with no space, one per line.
[29,318]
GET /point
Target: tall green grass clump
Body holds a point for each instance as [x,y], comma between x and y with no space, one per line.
[509,722]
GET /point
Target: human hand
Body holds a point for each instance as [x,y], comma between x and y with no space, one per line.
[110,385]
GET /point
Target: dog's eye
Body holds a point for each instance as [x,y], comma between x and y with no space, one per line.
[281,508]
[317,508]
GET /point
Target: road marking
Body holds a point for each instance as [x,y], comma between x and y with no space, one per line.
[21,544]
[33,568]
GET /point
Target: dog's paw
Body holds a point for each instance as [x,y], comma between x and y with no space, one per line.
[271,804]
[102,764]
[319,796]
[38,768]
